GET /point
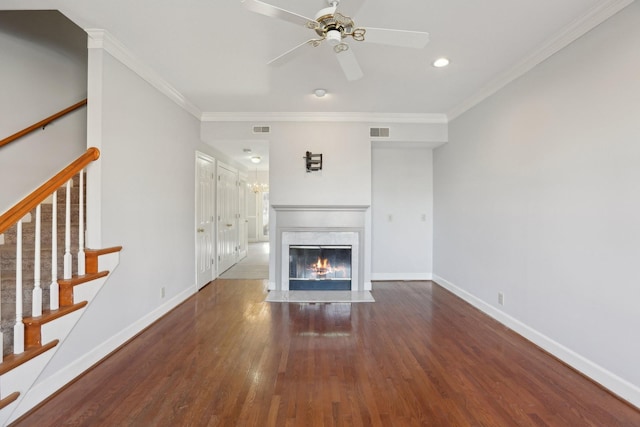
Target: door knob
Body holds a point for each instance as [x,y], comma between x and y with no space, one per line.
[200,230]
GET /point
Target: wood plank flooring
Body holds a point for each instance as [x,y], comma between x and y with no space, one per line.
[417,356]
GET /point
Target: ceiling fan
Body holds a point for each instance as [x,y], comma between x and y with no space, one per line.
[335,28]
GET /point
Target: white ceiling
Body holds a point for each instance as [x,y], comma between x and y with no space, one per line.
[214,52]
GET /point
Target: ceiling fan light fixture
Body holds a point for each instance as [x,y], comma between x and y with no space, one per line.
[441,62]
[334,37]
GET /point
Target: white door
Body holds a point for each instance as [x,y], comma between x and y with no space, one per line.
[205,215]
[243,221]
[227,197]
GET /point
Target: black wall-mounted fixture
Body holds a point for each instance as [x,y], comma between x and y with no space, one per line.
[313,161]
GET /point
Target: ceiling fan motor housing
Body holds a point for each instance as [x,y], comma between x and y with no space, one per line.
[332,24]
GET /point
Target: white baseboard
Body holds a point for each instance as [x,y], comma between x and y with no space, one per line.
[394,277]
[618,386]
[40,391]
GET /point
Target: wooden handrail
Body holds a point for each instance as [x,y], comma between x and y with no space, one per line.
[42,123]
[27,204]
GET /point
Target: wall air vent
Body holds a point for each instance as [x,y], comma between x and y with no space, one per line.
[261,129]
[379,132]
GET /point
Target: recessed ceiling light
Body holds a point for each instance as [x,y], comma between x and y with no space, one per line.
[320,92]
[441,62]
[256,159]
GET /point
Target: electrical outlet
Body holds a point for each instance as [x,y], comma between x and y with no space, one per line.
[162,292]
[500,298]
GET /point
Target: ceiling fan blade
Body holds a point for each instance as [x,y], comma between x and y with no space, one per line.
[291,53]
[276,12]
[349,64]
[353,7]
[403,38]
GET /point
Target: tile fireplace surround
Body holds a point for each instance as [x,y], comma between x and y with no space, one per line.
[320,225]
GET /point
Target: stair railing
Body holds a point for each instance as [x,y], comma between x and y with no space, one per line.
[17,214]
[43,123]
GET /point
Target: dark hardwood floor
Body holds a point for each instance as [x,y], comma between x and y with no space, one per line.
[417,356]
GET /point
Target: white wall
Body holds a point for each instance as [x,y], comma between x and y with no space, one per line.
[346,170]
[147,206]
[537,195]
[42,72]
[402,211]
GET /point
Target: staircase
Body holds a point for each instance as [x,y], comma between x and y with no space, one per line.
[51,234]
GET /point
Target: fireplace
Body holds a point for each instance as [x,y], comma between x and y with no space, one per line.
[320,267]
[312,232]
[300,253]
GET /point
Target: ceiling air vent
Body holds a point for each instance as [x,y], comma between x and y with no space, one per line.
[379,132]
[261,129]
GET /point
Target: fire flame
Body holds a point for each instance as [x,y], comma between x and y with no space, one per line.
[323,263]
[322,266]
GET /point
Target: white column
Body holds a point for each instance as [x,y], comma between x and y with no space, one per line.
[18,328]
[36,307]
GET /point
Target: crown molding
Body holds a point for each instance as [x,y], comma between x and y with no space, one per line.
[101,39]
[324,117]
[569,34]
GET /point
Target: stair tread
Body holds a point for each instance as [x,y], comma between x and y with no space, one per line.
[103,251]
[49,315]
[9,399]
[77,280]
[12,361]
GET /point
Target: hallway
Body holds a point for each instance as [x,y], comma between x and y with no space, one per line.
[254,266]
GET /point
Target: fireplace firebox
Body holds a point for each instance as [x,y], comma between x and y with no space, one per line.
[323,267]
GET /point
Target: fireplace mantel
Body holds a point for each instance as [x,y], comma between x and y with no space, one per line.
[295,221]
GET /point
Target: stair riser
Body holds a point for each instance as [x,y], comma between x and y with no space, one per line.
[8,258]
[29,232]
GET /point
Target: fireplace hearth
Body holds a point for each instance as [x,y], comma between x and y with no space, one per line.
[320,267]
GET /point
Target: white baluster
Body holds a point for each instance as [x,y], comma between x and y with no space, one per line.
[67,235]
[53,287]
[81,259]
[36,307]
[18,328]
